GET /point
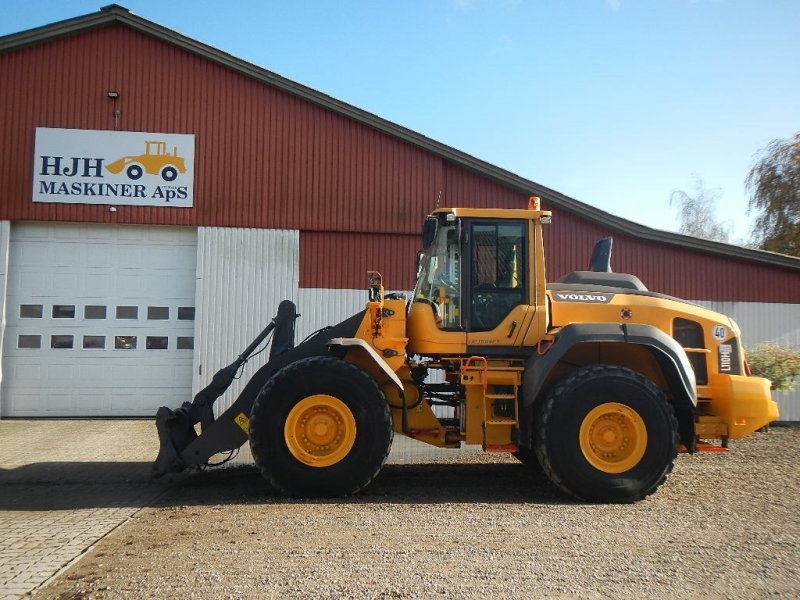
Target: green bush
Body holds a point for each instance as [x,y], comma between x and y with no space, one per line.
[779,364]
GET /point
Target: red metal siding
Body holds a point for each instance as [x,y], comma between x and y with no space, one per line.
[265,158]
[466,189]
[672,270]
[341,260]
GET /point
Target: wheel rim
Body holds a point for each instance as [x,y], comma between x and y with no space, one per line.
[320,430]
[613,437]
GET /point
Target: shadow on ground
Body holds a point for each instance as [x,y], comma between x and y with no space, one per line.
[61,472]
[77,485]
[436,483]
[86,485]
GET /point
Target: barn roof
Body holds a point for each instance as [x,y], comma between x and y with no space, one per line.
[115,14]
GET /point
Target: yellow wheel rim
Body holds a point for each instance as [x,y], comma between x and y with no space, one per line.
[613,437]
[320,430]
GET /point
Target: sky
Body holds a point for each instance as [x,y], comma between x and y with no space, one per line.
[616,103]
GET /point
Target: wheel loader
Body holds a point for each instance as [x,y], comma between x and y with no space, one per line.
[593,379]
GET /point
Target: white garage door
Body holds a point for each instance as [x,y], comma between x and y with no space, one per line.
[100,320]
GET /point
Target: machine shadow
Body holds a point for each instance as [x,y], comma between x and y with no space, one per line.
[431,483]
[90,485]
[73,485]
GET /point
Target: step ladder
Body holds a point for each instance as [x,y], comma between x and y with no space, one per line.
[497,427]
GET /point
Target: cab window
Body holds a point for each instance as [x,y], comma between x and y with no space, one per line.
[498,277]
[439,281]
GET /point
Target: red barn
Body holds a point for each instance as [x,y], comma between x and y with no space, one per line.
[159,197]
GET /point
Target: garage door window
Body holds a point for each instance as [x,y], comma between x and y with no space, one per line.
[94,342]
[31,311]
[61,342]
[158,313]
[186,313]
[125,342]
[185,343]
[63,311]
[94,311]
[29,341]
[128,312]
[157,342]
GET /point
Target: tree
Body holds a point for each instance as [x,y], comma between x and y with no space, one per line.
[697,212]
[774,187]
[779,364]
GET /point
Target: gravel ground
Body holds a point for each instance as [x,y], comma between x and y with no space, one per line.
[723,526]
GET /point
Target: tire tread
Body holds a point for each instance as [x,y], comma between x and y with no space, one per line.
[555,394]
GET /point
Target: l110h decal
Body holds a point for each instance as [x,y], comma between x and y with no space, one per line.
[113,167]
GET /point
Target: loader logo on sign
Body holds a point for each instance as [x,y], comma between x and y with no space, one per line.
[155,161]
[113,167]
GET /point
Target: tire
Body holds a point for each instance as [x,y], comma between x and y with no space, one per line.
[528,458]
[169,173]
[320,427]
[606,434]
[134,172]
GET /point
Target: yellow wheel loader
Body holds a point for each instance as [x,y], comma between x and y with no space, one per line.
[593,378]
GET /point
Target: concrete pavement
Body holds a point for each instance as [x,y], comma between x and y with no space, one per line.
[65,484]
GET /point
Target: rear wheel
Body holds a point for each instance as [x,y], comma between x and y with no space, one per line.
[528,458]
[169,173]
[606,434]
[320,427]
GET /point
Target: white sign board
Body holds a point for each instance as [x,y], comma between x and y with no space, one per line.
[113,167]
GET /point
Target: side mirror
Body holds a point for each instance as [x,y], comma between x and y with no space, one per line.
[429,231]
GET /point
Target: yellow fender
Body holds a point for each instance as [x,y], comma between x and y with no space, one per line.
[384,366]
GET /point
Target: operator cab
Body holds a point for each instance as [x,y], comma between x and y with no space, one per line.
[475,285]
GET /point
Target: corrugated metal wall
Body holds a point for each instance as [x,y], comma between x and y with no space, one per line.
[242,275]
[5,246]
[340,260]
[264,158]
[679,272]
[777,323]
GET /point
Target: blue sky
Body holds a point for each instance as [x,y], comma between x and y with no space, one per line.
[616,103]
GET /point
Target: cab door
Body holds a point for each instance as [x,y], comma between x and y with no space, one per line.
[497,306]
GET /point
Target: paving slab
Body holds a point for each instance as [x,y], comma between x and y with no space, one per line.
[64,485]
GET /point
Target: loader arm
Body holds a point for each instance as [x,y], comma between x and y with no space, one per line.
[180,449]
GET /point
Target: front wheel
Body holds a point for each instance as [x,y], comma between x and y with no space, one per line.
[320,427]
[134,172]
[606,434]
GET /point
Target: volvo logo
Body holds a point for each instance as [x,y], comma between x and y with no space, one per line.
[586,298]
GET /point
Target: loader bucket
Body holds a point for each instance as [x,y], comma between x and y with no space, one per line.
[181,447]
